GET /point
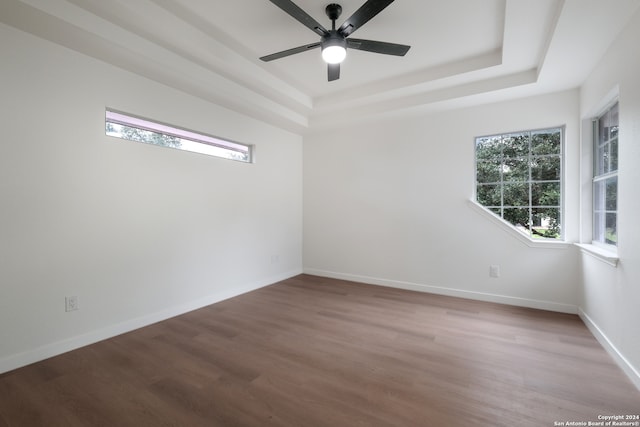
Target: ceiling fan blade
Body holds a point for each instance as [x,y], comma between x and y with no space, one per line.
[288,52]
[334,72]
[367,11]
[301,16]
[378,47]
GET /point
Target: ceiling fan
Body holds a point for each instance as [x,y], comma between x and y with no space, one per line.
[334,43]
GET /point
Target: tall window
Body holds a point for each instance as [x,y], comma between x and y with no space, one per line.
[134,128]
[605,177]
[519,178]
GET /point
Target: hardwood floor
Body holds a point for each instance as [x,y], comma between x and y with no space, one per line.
[312,351]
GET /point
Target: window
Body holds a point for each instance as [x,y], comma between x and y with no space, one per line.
[519,178]
[133,128]
[605,177]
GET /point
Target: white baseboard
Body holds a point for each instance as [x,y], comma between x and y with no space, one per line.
[460,293]
[53,349]
[622,361]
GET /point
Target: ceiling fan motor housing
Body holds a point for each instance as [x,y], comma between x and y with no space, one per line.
[333,39]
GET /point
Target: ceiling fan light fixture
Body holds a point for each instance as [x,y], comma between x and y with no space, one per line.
[334,54]
[334,48]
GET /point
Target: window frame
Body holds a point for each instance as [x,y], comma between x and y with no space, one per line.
[598,236]
[529,182]
[194,141]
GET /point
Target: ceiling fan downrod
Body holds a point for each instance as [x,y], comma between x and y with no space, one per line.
[333,11]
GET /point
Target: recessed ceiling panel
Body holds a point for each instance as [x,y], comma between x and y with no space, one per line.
[438,32]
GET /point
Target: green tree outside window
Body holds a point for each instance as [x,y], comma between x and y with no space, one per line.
[518,178]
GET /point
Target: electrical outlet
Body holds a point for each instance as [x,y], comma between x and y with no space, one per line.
[494,271]
[71,303]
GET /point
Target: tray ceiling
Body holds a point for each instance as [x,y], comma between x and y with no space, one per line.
[463,52]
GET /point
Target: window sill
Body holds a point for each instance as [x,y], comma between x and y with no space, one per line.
[601,254]
[513,232]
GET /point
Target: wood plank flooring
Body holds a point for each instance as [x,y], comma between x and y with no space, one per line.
[312,351]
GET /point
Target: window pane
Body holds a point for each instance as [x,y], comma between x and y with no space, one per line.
[545,168]
[611,194]
[489,195]
[517,216]
[610,231]
[142,135]
[603,127]
[599,198]
[488,171]
[515,169]
[605,195]
[600,161]
[605,228]
[516,194]
[598,226]
[545,222]
[516,145]
[606,158]
[545,194]
[489,148]
[613,155]
[545,143]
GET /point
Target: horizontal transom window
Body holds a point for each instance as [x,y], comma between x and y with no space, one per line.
[133,128]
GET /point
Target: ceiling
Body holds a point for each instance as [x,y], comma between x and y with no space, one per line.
[464,52]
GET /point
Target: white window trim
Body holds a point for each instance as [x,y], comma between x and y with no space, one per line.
[603,252]
[597,252]
[598,245]
[514,232]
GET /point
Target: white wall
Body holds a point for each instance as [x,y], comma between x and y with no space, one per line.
[140,233]
[387,203]
[611,298]
[137,232]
